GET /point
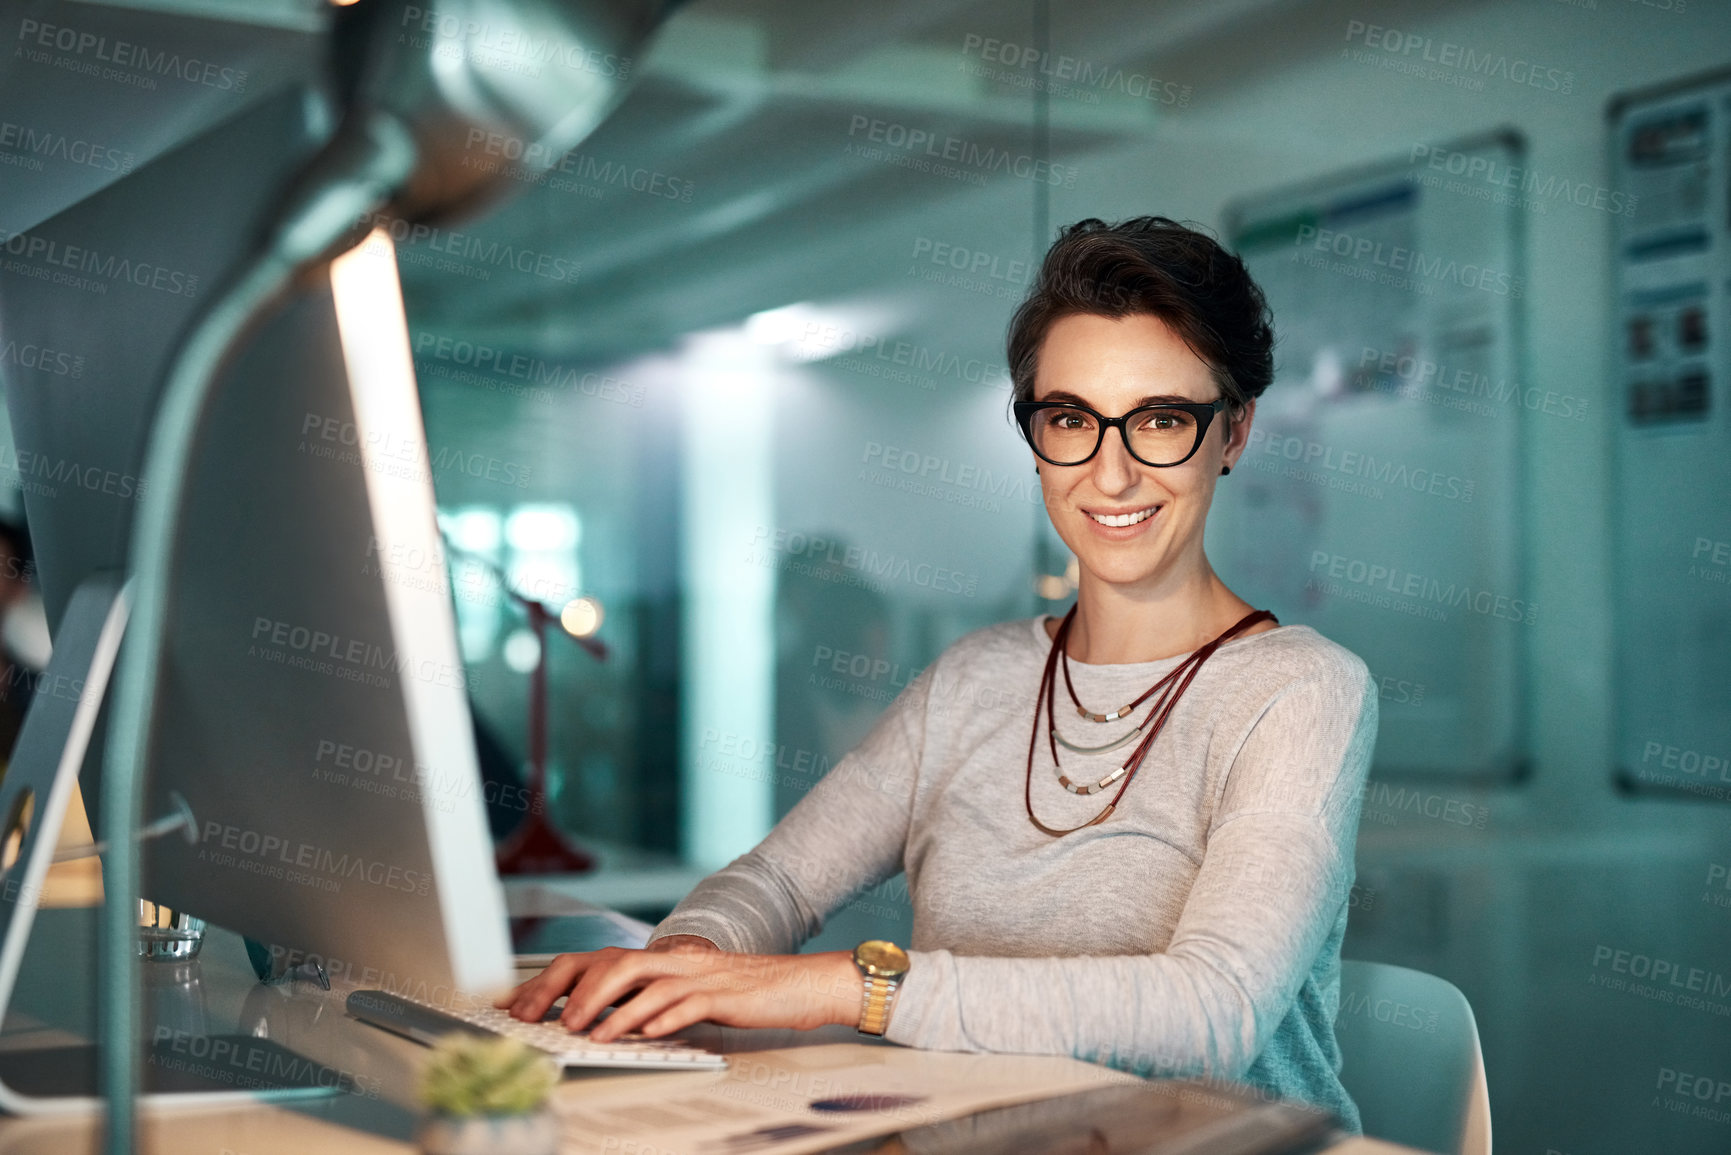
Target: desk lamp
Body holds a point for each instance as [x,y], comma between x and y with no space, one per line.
[414,82]
[537,846]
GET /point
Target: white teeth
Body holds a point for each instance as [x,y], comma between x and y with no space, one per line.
[1123,519]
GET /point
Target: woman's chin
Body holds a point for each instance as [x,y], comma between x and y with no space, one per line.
[1126,572]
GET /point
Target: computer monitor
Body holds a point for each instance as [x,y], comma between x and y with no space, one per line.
[313,714]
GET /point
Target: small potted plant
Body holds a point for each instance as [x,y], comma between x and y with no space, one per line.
[488,1095]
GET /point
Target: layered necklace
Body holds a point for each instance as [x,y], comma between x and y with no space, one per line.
[1169,689]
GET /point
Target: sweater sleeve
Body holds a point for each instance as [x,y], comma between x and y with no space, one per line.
[847,834]
[1274,877]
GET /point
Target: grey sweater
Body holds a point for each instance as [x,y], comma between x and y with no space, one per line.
[1195,932]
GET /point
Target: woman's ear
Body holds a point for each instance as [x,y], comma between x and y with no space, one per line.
[1237,436]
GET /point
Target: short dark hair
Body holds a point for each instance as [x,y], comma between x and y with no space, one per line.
[1156,267]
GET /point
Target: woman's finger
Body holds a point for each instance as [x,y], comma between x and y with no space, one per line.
[603,985]
[655,998]
[532,999]
[677,1017]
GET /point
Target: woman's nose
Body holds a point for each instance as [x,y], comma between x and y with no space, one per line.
[1114,468]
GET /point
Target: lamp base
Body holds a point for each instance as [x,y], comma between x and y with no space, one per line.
[537,847]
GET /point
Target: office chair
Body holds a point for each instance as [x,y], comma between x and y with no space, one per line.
[1410,1058]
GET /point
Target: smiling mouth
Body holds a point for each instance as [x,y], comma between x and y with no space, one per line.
[1119,520]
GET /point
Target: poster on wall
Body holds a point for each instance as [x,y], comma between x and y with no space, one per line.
[1378,501]
[1671,516]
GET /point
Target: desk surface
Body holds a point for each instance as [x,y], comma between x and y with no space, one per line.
[217,994]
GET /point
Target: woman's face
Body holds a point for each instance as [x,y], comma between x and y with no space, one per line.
[1113,366]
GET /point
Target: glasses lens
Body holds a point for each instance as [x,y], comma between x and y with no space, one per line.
[1064,436]
[1162,436]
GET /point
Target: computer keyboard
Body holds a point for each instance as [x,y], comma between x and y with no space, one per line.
[427,1024]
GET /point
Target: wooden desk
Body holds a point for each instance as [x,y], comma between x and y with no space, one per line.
[219,994]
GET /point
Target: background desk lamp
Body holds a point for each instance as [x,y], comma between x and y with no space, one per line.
[409,103]
[538,846]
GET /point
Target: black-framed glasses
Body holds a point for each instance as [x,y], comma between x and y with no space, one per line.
[1070,433]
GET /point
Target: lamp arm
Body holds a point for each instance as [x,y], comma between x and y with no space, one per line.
[354,175]
[529,605]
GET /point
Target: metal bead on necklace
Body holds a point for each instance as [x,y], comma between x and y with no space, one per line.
[1122,740]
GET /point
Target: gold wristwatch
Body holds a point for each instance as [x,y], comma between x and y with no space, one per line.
[881,966]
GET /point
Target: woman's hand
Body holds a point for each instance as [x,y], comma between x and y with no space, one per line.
[668,988]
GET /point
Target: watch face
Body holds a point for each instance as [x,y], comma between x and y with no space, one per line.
[879,958]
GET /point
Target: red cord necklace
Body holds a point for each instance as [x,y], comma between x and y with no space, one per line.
[1173,684]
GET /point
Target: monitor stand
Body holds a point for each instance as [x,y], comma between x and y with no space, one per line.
[35,792]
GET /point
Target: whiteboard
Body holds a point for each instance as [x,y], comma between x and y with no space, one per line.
[1671,518]
[1379,499]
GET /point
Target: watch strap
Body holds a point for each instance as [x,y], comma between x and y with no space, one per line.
[879,996]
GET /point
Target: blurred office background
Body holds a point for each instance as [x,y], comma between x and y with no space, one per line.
[735,371]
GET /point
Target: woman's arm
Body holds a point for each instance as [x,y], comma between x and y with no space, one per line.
[676,941]
[1271,886]
[724,953]
[846,834]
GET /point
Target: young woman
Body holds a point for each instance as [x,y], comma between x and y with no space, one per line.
[1146,859]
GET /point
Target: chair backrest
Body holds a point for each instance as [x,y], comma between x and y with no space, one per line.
[1410,1059]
